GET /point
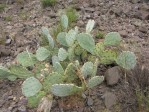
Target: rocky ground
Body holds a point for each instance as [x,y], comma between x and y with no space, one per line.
[20,29]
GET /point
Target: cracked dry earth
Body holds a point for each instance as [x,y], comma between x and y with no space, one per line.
[128,17]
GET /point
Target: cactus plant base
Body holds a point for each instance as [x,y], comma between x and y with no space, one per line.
[71,102]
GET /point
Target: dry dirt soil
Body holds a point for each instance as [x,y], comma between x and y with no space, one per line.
[20,29]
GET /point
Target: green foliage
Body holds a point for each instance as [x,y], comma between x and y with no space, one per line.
[112,39]
[56,30]
[46,3]
[4,72]
[2,7]
[100,35]
[26,59]
[70,73]
[45,31]
[94,81]
[86,41]
[106,56]
[8,18]
[65,89]
[90,26]
[72,15]
[33,101]
[31,86]
[61,38]
[62,54]
[71,37]
[87,69]
[20,71]
[42,53]
[53,78]
[126,60]
[58,68]
[78,50]
[68,65]
[43,40]
[71,53]
[64,21]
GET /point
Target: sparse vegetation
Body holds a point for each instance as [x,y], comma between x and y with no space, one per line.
[72,15]
[2,7]
[100,35]
[71,71]
[46,3]
[23,15]
[8,18]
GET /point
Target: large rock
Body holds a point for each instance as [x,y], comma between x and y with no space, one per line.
[109,99]
[112,75]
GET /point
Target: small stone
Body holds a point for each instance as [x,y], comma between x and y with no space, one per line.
[123,33]
[90,101]
[112,75]
[109,99]
[83,95]
[145,15]
[22,109]
[1,103]
[8,42]
[90,9]
[143,29]
[10,108]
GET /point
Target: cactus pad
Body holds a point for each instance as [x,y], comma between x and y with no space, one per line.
[61,38]
[86,41]
[26,59]
[112,39]
[87,69]
[94,81]
[31,86]
[64,21]
[126,60]
[62,54]
[63,90]
[42,53]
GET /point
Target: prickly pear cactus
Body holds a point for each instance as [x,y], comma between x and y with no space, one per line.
[45,31]
[61,38]
[64,21]
[53,78]
[4,72]
[71,37]
[84,55]
[78,50]
[63,90]
[71,53]
[94,81]
[90,26]
[70,73]
[20,72]
[91,58]
[106,56]
[26,59]
[86,41]
[95,67]
[112,39]
[126,60]
[87,69]
[33,101]
[42,53]
[62,54]
[58,68]
[31,86]
[99,49]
